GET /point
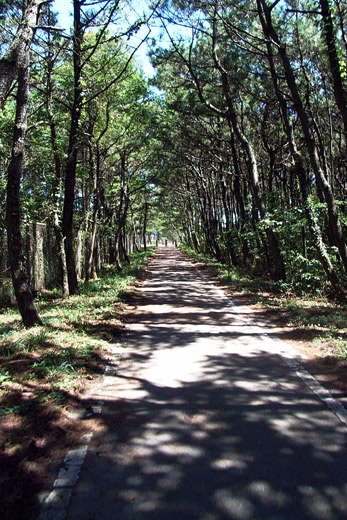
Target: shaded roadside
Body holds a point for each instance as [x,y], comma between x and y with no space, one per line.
[44,372]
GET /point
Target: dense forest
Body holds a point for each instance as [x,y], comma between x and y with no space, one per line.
[236,147]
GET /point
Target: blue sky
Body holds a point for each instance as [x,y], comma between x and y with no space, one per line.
[63,7]
[64,10]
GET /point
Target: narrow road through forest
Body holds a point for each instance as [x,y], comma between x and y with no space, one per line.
[205,420]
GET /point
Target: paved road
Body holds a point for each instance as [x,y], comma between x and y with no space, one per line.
[204,420]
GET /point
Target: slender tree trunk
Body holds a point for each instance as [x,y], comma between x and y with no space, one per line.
[90,271]
[231,256]
[123,239]
[70,174]
[61,255]
[28,252]
[144,229]
[79,248]
[121,214]
[322,182]
[239,198]
[339,88]
[15,56]
[117,259]
[136,240]
[22,291]
[304,185]
[57,187]
[38,282]
[341,13]
[278,272]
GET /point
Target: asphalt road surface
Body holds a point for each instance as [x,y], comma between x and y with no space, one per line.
[205,417]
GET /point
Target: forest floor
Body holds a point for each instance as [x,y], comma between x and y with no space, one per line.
[43,386]
[44,374]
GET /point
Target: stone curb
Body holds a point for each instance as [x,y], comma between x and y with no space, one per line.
[54,505]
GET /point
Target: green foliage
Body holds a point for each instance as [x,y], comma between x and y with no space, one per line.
[306,274]
[16,409]
[5,376]
[55,358]
[186,170]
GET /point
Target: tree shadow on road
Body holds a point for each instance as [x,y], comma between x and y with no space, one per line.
[203,420]
[246,441]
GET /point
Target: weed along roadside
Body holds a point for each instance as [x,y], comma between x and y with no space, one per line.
[44,372]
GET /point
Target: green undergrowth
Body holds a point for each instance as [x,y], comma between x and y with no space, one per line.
[239,279]
[43,372]
[323,322]
[49,363]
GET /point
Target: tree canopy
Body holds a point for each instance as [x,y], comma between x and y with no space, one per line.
[236,147]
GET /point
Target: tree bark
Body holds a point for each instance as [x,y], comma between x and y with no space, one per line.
[121,214]
[322,182]
[15,57]
[22,291]
[70,173]
[339,89]
[239,199]
[278,272]
[304,183]
[95,176]
[144,229]
[57,185]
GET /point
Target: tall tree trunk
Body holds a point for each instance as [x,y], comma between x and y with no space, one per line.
[57,185]
[90,269]
[121,214]
[28,251]
[339,88]
[39,231]
[239,199]
[322,182]
[94,171]
[70,174]
[15,57]
[22,291]
[278,272]
[144,229]
[136,238]
[123,246]
[301,172]
[79,248]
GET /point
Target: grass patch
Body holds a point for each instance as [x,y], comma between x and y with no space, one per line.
[75,331]
[323,320]
[42,372]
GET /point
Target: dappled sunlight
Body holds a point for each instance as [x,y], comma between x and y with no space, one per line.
[216,426]
[184,452]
